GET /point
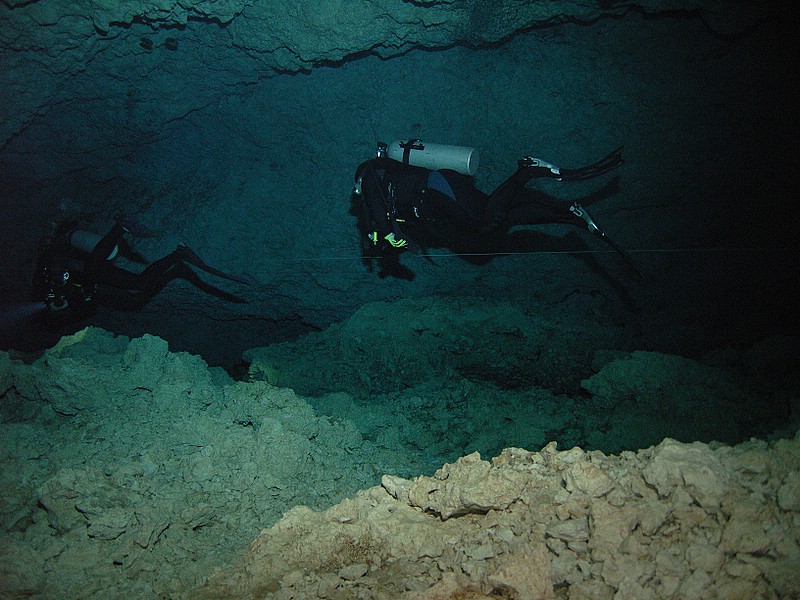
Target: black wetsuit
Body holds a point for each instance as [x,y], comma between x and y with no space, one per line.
[399,198]
[444,208]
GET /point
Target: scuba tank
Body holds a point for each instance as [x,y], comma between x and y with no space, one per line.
[85,241]
[417,153]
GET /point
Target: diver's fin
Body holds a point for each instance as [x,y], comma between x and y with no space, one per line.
[188,255]
[604,165]
[625,256]
[580,212]
[530,168]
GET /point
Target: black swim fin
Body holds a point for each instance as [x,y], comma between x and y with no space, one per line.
[580,212]
[604,165]
[530,168]
[188,255]
[625,256]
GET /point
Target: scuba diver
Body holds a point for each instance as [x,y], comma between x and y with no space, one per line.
[414,190]
[75,272]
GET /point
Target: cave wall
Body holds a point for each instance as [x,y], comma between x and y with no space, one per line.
[237,128]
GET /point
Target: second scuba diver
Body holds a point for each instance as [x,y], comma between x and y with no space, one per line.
[75,272]
[410,185]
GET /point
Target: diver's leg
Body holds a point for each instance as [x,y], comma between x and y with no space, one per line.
[143,286]
[149,281]
[536,167]
[502,199]
[436,206]
[531,207]
[159,273]
[507,195]
[190,256]
[540,210]
[162,271]
[124,290]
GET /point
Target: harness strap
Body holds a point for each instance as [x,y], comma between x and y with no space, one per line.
[408,147]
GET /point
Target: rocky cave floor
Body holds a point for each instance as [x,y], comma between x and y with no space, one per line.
[347,464]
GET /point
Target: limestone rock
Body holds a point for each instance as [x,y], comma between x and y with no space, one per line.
[159,458]
[677,466]
[520,550]
[469,486]
[789,492]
